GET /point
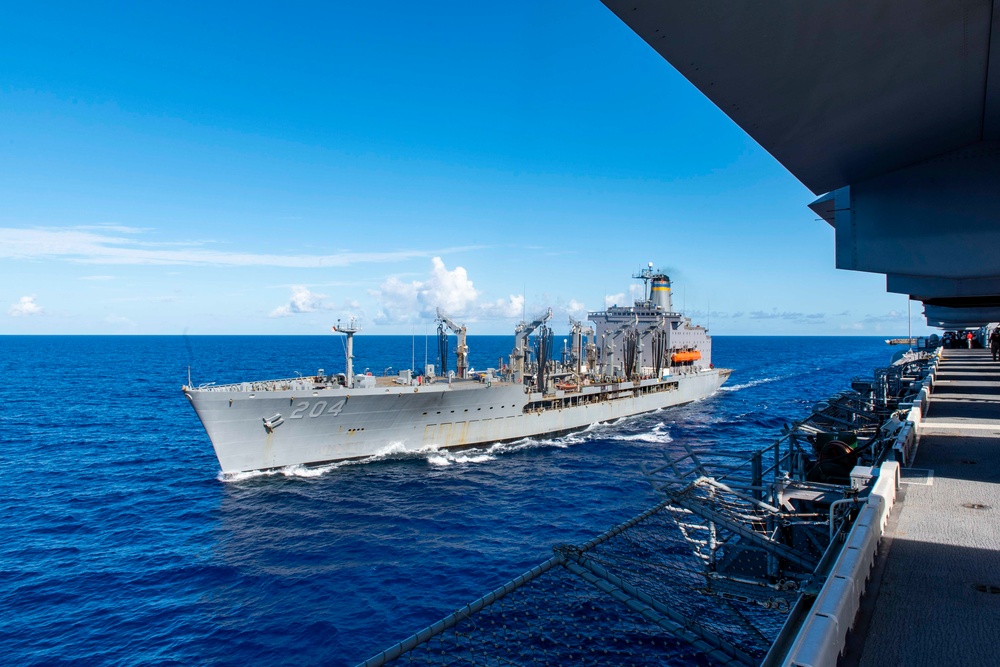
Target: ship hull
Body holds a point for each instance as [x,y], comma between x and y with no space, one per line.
[259,430]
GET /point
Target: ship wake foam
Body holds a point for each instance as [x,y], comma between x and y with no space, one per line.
[562,442]
[446,458]
[658,435]
[748,385]
[394,450]
[287,471]
[442,457]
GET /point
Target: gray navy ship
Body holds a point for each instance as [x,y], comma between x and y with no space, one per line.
[633,359]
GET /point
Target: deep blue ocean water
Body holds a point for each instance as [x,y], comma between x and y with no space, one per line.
[121,545]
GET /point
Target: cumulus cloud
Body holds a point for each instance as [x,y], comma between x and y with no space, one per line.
[451,291]
[397,301]
[303,301]
[116,244]
[25,307]
[634,293]
[614,300]
[576,308]
[504,309]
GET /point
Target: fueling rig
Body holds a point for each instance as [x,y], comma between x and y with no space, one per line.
[461,349]
[647,340]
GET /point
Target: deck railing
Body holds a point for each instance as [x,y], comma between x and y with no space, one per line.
[296,383]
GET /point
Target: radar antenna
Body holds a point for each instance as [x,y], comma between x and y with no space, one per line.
[646,276]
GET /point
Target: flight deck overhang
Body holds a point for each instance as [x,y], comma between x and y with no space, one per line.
[928,289]
[890,110]
[955,324]
[962,315]
[936,219]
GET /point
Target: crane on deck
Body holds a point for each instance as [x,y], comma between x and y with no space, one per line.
[461,350]
[582,347]
[521,333]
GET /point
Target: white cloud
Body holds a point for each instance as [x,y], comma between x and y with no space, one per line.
[504,309]
[397,301]
[25,307]
[303,301]
[891,317]
[451,291]
[614,300]
[801,318]
[111,245]
[891,321]
[122,229]
[697,314]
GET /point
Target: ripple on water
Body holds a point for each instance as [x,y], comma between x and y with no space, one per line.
[124,545]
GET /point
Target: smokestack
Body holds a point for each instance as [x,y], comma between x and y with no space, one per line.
[660,293]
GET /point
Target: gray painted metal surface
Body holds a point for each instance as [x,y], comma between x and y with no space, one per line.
[639,358]
[938,599]
[890,110]
[336,423]
[830,89]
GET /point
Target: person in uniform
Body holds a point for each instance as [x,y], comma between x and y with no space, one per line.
[995,343]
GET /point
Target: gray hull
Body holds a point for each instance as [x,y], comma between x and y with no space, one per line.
[263,426]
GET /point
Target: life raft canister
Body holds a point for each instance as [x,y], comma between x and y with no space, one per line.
[679,357]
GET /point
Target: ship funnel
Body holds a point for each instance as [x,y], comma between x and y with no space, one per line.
[660,293]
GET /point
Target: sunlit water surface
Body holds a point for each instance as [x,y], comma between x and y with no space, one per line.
[122,545]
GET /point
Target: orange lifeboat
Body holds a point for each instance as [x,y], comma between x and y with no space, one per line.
[681,357]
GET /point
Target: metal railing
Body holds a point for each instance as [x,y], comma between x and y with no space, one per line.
[764,536]
[296,383]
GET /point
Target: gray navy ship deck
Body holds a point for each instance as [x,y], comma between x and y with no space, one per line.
[937,598]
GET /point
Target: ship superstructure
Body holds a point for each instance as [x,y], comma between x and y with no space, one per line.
[634,359]
[649,336]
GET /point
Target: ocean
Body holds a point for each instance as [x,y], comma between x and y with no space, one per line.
[121,544]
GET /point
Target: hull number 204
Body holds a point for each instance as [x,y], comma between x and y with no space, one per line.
[318,408]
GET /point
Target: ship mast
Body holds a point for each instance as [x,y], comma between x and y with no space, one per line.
[646,275]
[349,329]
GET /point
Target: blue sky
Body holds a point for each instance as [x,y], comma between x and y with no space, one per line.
[268,170]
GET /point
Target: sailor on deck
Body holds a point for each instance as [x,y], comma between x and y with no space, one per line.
[995,343]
